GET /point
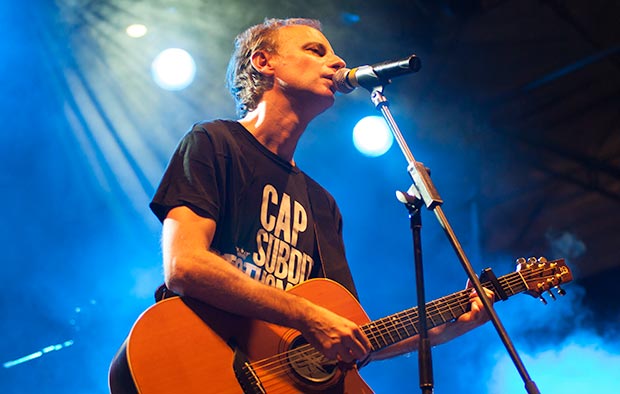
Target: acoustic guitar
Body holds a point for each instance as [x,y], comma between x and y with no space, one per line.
[180,345]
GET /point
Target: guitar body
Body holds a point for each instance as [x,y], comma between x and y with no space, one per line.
[180,345]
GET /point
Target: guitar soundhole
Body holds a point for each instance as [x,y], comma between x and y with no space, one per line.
[309,364]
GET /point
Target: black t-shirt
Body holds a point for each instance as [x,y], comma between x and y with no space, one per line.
[265,221]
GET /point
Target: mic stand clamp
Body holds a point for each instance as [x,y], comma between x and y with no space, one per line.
[425,190]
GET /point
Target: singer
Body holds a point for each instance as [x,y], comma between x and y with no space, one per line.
[244,227]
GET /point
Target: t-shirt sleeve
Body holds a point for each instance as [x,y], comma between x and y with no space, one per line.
[191,178]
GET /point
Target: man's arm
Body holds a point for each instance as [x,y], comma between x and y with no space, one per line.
[191,269]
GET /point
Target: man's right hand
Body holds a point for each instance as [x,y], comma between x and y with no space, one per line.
[336,337]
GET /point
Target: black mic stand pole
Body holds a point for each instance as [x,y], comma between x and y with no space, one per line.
[424,189]
[425,361]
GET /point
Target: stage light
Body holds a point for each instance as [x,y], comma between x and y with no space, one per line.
[372,137]
[136,30]
[349,18]
[173,69]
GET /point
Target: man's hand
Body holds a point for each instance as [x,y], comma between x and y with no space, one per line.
[335,336]
[475,317]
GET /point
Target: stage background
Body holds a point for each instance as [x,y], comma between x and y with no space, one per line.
[515,111]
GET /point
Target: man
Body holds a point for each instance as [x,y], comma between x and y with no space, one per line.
[281,77]
[241,222]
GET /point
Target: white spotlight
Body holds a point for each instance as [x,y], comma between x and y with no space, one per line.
[136,30]
[173,69]
[372,137]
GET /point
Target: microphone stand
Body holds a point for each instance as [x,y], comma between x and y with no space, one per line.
[424,191]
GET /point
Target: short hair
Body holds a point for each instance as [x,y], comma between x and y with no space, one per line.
[245,83]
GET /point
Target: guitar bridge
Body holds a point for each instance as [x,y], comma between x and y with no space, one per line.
[246,376]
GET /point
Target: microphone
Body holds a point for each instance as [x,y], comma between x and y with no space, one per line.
[369,77]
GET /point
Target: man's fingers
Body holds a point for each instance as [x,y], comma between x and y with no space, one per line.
[365,342]
[355,347]
[489,293]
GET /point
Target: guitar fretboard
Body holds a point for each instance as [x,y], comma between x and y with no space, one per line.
[402,325]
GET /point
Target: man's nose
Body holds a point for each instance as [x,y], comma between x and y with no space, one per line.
[337,62]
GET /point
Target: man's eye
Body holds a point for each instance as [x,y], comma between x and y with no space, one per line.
[316,50]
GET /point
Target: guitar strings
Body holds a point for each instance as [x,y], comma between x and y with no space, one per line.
[281,363]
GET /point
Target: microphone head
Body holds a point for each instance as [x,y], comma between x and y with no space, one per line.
[341,81]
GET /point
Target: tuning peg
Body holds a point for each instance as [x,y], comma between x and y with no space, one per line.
[551,295]
[532,260]
[542,259]
[542,299]
[561,291]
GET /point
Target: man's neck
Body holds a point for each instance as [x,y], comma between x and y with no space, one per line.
[277,128]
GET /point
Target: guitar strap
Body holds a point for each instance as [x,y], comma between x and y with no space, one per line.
[329,245]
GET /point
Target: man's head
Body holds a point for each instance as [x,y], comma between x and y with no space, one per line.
[245,83]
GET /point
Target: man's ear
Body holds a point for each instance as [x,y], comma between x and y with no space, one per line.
[261,61]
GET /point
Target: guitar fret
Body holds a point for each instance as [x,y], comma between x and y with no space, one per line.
[405,324]
[369,330]
[523,279]
[381,332]
[446,314]
[412,318]
[429,315]
[370,334]
[400,328]
[389,330]
[381,339]
[515,282]
[462,307]
[441,314]
[452,314]
[396,326]
[507,283]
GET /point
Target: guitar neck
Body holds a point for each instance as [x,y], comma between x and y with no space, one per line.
[402,325]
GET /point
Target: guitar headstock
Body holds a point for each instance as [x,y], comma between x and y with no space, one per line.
[540,275]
